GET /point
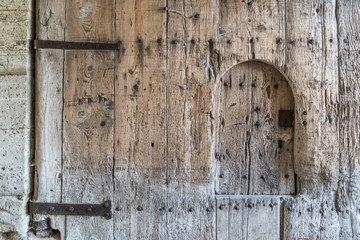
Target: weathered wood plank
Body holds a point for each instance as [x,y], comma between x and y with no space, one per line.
[252,30]
[235,130]
[304,68]
[140,120]
[88,138]
[90,20]
[190,114]
[88,116]
[50,25]
[256,154]
[348,192]
[222,218]
[242,217]
[271,162]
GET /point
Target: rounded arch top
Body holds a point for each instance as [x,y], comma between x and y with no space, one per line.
[270,64]
[257,124]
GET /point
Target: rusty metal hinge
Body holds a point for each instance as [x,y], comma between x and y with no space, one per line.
[76,45]
[103,209]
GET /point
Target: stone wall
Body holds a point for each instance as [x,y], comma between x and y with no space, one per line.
[16,121]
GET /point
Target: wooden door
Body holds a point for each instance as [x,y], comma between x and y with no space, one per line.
[137,125]
[256,132]
[255,158]
[110,123]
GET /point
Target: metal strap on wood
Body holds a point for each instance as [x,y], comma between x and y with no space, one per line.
[48,44]
[103,209]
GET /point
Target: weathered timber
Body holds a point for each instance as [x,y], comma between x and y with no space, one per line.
[194,106]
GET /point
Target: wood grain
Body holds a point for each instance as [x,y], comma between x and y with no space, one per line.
[140,120]
[256,155]
[50,25]
[163,126]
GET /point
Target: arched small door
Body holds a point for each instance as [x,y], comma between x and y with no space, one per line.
[255,152]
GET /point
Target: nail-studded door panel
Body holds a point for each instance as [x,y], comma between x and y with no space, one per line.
[249,218]
[255,152]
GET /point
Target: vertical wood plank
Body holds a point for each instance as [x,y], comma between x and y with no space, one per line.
[304,68]
[241,217]
[263,221]
[88,116]
[190,113]
[140,166]
[271,162]
[90,20]
[222,218]
[88,138]
[50,25]
[235,130]
[348,15]
[252,30]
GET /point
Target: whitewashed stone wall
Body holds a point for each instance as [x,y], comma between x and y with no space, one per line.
[16,123]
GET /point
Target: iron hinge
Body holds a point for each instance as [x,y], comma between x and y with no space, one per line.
[76,45]
[103,209]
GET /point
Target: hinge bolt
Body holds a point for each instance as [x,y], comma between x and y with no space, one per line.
[107,204]
[89,209]
[71,209]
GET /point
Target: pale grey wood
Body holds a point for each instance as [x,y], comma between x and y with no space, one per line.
[304,68]
[88,138]
[50,23]
[255,159]
[348,14]
[235,131]
[243,217]
[241,21]
[222,218]
[271,161]
[88,116]
[190,131]
[140,120]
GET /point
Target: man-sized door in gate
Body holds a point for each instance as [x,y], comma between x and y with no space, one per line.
[255,158]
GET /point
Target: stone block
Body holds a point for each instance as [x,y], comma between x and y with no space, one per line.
[15,30]
[15,158]
[15,87]
[14,220]
[15,63]
[15,114]
[15,5]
